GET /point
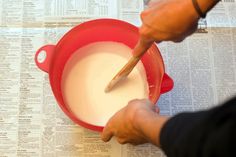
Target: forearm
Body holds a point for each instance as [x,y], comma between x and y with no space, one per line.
[204,133]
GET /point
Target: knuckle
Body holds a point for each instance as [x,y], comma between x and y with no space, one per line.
[121,141]
[179,40]
[145,31]
[104,138]
[143,14]
[146,101]
[133,101]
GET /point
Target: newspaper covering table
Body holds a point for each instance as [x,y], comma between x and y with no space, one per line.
[32,125]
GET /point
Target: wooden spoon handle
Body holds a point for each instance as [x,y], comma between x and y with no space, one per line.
[141,47]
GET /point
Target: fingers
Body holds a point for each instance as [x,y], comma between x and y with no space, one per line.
[166,21]
[151,105]
[178,39]
[144,31]
[144,102]
[154,34]
[106,134]
[157,109]
[158,42]
[121,140]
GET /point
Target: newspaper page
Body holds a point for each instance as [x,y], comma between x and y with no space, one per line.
[32,125]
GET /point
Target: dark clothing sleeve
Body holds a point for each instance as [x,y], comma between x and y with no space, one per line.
[210,133]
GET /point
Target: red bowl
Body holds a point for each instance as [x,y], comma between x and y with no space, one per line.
[95,31]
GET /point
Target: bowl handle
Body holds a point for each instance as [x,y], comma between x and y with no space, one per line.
[167,84]
[43,57]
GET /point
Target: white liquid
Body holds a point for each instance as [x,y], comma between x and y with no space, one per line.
[88,72]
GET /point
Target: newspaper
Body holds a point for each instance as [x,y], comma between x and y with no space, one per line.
[32,125]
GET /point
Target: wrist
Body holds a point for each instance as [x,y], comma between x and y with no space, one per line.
[150,126]
[157,124]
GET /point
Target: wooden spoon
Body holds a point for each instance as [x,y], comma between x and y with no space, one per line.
[141,47]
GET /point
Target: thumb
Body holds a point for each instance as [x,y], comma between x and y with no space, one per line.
[152,106]
[149,104]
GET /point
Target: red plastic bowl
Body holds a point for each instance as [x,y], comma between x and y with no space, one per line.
[96,31]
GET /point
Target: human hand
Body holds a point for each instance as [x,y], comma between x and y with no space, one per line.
[137,123]
[169,20]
